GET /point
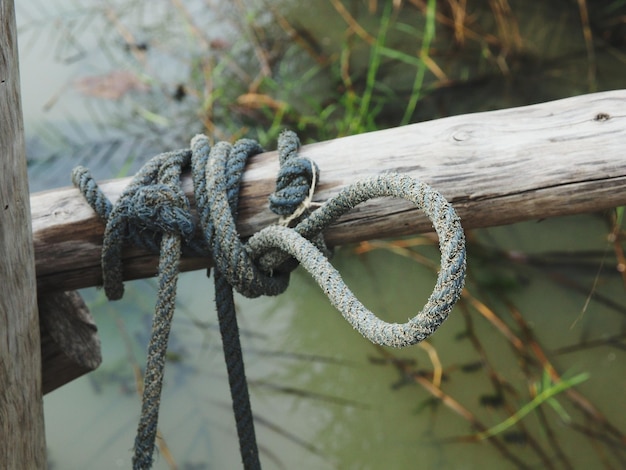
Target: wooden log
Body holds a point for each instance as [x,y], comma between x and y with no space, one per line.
[22,437]
[70,346]
[550,159]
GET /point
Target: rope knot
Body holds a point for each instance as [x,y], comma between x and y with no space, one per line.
[154,212]
[161,208]
[296,180]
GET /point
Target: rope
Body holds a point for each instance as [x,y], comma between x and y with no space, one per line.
[296,180]
[221,169]
[154,213]
[450,279]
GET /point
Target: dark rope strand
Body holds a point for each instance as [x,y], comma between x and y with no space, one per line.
[295,176]
[155,364]
[236,373]
[167,209]
[234,164]
[223,174]
[153,212]
[82,179]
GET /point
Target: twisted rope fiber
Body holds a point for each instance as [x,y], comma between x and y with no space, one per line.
[153,212]
[221,169]
[450,279]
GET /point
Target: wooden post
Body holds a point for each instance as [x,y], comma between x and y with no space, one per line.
[22,437]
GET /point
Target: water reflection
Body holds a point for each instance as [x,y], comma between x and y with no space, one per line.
[544,299]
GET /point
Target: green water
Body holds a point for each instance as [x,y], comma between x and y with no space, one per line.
[324,397]
[319,400]
[390,432]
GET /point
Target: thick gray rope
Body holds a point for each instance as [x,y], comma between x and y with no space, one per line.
[154,213]
[221,168]
[450,279]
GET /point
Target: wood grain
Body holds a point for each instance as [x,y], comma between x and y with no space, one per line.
[498,167]
[70,346]
[22,438]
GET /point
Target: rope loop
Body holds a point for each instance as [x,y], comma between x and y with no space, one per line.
[153,212]
[450,279]
[296,179]
[223,168]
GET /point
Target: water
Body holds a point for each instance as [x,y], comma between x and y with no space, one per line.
[323,397]
[312,379]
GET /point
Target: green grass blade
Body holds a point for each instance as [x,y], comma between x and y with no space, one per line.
[545,395]
[429,35]
[374,64]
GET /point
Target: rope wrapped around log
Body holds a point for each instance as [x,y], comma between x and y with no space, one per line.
[153,212]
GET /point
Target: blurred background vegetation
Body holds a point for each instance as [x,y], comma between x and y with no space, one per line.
[325,69]
[543,315]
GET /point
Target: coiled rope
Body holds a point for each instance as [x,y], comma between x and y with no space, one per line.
[153,212]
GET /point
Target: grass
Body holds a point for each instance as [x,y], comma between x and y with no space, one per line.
[545,394]
[396,62]
[429,35]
